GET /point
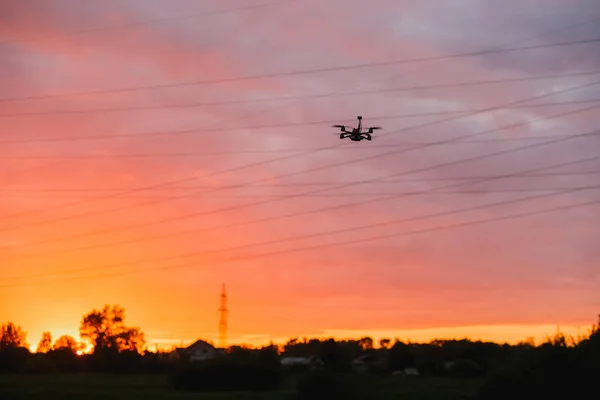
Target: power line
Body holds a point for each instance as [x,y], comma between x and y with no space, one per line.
[395,152]
[208,175]
[405,144]
[307,71]
[542,34]
[145,135]
[163,184]
[197,214]
[355,241]
[494,108]
[533,37]
[568,27]
[574,206]
[33,168]
[415,127]
[300,97]
[252,114]
[320,195]
[217,12]
[302,184]
[508,44]
[142,23]
[324,209]
[320,210]
[178,181]
[428,230]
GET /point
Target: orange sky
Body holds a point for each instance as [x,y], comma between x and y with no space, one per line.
[208,188]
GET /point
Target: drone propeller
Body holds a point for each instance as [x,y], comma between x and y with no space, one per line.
[338,126]
[375,127]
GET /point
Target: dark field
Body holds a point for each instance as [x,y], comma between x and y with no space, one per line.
[156,387]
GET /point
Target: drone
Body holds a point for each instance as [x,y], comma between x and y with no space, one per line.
[357,134]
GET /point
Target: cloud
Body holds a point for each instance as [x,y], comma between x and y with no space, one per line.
[507,24]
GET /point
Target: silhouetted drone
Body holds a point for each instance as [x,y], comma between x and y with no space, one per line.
[357,134]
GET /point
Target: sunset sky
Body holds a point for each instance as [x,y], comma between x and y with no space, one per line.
[151,150]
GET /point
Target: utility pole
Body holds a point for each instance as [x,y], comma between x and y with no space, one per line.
[223,319]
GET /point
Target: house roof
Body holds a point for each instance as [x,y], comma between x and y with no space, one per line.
[367,358]
[300,360]
[199,345]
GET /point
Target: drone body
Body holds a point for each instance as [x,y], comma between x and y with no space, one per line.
[357,134]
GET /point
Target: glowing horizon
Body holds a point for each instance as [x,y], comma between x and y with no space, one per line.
[486,334]
[500,334]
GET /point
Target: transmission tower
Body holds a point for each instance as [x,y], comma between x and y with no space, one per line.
[223,319]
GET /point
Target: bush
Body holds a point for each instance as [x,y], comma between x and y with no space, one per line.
[546,372]
[38,364]
[110,361]
[64,359]
[225,375]
[13,359]
[322,384]
[296,368]
[465,369]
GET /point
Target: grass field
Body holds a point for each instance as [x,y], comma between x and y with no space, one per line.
[156,387]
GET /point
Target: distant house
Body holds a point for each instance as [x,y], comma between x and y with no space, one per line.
[406,372]
[199,350]
[464,368]
[368,362]
[310,362]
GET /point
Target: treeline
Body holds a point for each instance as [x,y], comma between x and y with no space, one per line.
[342,368]
[116,348]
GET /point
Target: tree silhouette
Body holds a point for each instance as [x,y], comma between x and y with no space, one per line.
[45,343]
[12,336]
[401,356]
[106,329]
[66,342]
[366,343]
[384,343]
[335,356]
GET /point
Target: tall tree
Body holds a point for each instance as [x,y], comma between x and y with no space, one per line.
[45,343]
[106,329]
[66,342]
[366,343]
[12,335]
